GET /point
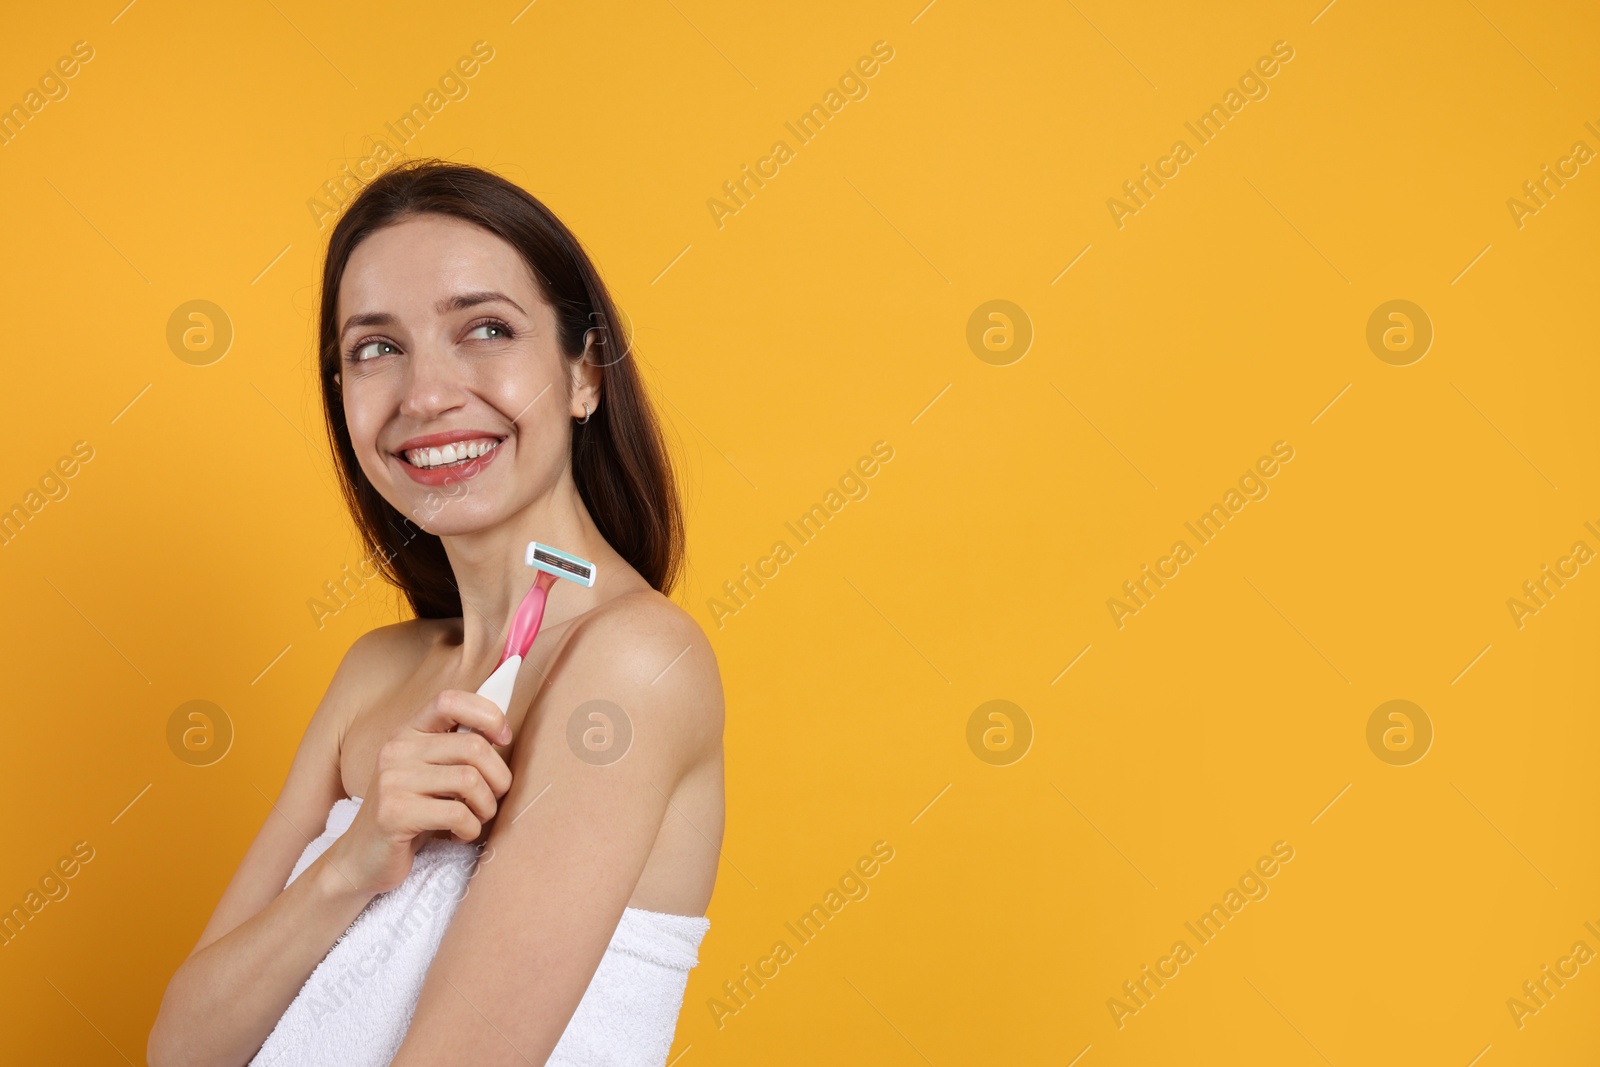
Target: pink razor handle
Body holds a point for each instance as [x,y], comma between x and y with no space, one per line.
[530,613]
[524,628]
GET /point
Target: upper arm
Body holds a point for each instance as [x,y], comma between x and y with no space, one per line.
[570,839]
[300,811]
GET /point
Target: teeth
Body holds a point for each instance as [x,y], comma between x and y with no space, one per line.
[458,452]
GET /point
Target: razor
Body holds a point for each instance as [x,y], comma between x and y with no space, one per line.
[551,563]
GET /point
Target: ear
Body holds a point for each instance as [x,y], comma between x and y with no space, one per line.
[585,380]
[336,379]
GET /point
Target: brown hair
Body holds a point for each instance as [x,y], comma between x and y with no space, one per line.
[619,458]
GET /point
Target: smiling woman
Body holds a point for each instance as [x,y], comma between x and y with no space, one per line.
[476,401]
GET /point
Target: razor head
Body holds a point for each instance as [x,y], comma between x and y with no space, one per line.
[561,564]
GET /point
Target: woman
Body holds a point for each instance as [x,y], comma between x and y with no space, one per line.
[456,306]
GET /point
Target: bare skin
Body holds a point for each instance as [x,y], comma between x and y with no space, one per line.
[678,876]
[576,839]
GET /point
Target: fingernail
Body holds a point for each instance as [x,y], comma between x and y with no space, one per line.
[505,734]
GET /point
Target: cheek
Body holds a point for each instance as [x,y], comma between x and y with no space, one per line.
[537,408]
[363,435]
[541,453]
[534,395]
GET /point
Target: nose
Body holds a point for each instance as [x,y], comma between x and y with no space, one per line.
[434,384]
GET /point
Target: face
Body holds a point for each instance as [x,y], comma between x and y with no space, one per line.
[455,390]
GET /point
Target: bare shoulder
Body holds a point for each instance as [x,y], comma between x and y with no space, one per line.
[377,660]
[647,654]
[397,644]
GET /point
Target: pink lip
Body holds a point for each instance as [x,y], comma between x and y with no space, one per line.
[448,475]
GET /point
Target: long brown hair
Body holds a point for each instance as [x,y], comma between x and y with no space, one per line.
[619,458]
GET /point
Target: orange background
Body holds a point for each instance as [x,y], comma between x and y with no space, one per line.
[830,312]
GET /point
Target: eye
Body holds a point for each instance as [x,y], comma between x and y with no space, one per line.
[492,324]
[356,352]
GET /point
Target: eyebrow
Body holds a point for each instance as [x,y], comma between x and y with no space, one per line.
[458,302]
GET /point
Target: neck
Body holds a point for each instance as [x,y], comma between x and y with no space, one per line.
[490,571]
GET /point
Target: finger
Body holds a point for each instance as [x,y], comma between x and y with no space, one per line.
[401,814]
[468,748]
[448,780]
[457,706]
[432,813]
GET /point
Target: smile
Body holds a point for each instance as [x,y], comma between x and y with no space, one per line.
[451,455]
[450,461]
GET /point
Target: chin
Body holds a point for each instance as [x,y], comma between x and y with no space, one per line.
[446,516]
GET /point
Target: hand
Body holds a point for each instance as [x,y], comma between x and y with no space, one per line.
[428,777]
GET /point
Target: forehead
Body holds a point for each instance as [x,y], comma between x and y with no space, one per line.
[407,266]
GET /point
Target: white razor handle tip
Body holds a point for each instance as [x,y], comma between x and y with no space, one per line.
[498,687]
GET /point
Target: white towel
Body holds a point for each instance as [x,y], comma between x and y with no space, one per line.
[356,1006]
[629,1012]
